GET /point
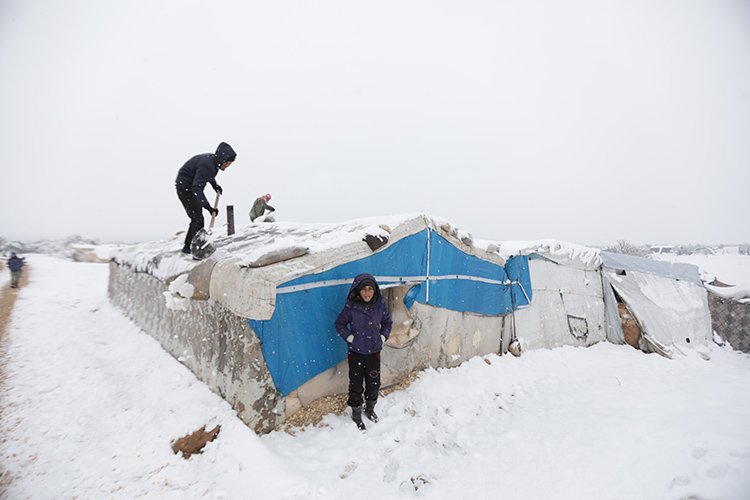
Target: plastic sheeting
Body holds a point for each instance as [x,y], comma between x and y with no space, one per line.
[454,281]
[567,310]
[676,270]
[299,341]
[615,334]
[670,312]
[667,299]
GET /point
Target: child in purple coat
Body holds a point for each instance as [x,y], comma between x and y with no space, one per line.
[365,323]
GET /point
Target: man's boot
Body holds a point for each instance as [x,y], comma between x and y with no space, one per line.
[357,417]
[370,411]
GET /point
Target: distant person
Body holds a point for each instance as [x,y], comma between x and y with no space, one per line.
[365,323]
[15,264]
[260,206]
[191,181]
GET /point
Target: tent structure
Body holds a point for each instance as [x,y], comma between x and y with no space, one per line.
[667,300]
[583,295]
[285,283]
[255,321]
[428,264]
[568,306]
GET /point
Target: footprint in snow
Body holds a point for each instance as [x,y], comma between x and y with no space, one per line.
[414,484]
[389,471]
[350,467]
[680,481]
[718,471]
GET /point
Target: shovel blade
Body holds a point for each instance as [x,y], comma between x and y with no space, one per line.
[201,246]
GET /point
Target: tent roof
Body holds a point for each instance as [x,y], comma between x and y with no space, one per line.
[247,267]
[260,244]
[675,270]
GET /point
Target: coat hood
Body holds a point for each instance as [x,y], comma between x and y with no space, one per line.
[359,281]
[224,152]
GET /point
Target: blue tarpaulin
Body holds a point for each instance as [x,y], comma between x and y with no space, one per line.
[300,341]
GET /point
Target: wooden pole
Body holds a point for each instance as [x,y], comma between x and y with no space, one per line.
[230,220]
[213,217]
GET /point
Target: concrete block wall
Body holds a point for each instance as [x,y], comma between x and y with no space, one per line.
[731,320]
[216,345]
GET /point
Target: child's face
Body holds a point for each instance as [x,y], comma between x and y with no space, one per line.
[366,293]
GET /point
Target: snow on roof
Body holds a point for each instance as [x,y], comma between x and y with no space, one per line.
[561,252]
[740,293]
[255,245]
[246,268]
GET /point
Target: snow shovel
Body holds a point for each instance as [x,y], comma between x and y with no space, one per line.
[201,246]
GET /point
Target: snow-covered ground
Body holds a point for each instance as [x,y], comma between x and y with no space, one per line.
[90,405]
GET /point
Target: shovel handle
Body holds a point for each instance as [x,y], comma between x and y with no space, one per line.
[213,217]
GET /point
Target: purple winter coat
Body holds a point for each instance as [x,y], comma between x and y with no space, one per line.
[366,321]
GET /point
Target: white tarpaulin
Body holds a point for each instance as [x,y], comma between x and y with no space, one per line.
[567,309]
[670,312]
[675,270]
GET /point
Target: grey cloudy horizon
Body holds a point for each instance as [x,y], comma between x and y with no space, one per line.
[585,121]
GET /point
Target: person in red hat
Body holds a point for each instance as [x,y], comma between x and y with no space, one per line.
[260,206]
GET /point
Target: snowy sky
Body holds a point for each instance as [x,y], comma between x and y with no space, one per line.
[587,120]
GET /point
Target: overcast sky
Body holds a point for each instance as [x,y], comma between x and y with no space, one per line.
[588,121]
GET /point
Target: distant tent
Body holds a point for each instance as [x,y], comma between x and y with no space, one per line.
[583,296]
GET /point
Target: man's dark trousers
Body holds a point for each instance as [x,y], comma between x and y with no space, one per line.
[363,369]
[194,211]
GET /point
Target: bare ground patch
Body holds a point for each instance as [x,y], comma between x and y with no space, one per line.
[7,300]
[313,413]
[8,297]
[195,442]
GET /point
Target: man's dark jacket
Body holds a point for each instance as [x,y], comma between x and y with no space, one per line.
[15,263]
[202,169]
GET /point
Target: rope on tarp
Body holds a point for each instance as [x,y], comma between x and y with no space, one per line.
[427,277]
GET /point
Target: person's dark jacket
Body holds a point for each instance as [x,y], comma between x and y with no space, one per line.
[15,263]
[365,321]
[202,169]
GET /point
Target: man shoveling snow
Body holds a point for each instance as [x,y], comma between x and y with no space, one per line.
[191,181]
